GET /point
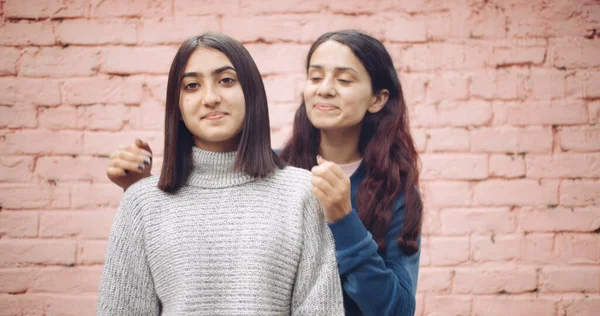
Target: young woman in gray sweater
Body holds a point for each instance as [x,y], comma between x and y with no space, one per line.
[226,228]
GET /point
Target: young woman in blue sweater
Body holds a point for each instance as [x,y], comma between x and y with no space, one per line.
[352,132]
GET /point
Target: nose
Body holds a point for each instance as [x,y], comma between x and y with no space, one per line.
[211,97]
[326,88]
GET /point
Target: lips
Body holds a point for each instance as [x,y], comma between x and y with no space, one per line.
[325,107]
[214,116]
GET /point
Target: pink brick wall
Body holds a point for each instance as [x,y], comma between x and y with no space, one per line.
[504,98]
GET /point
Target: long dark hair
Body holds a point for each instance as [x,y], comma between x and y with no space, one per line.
[385,144]
[254,153]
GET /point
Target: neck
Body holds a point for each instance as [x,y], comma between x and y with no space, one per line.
[340,146]
[215,170]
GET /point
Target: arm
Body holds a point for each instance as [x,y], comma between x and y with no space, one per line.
[377,286]
[317,290]
[127,287]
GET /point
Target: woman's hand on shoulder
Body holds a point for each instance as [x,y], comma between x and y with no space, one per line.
[130,163]
[332,187]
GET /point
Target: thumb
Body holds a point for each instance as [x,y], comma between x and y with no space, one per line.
[142,145]
[320,160]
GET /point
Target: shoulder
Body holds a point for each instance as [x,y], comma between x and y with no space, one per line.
[141,192]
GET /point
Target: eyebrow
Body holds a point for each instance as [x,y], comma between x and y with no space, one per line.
[336,68]
[214,72]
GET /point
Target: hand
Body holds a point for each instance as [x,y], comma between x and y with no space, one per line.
[332,187]
[130,163]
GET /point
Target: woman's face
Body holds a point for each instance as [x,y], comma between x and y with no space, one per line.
[338,90]
[211,101]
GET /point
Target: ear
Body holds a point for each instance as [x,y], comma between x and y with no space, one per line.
[378,101]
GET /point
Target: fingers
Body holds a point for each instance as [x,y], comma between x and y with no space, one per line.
[333,167]
[143,145]
[114,172]
[321,196]
[127,165]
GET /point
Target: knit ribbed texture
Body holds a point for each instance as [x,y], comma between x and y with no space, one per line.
[225,244]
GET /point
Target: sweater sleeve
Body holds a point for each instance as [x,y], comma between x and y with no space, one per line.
[378,287]
[317,289]
[126,287]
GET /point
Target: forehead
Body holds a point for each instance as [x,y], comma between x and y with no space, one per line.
[332,54]
[205,60]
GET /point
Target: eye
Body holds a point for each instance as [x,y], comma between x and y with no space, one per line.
[227,81]
[315,79]
[343,81]
[192,86]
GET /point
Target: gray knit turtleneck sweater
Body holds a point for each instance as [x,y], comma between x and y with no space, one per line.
[224,244]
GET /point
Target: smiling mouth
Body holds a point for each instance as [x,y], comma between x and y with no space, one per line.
[324,107]
[214,116]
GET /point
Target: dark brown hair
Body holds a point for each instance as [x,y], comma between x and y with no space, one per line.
[254,153]
[385,143]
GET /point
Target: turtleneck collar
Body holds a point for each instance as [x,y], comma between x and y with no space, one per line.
[215,170]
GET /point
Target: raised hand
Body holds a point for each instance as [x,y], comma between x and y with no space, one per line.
[332,187]
[130,163]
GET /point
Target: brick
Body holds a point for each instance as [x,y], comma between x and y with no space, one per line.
[512,83]
[431,223]
[519,52]
[265,28]
[282,89]
[483,84]
[558,279]
[578,248]
[89,225]
[413,84]
[563,165]
[111,89]
[211,7]
[175,31]
[274,6]
[420,308]
[18,115]
[511,139]
[94,32]
[559,219]
[90,117]
[442,26]
[486,21]
[454,167]
[8,60]
[131,8]
[582,139]
[420,139]
[584,84]
[581,306]
[448,139]
[29,91]
[579,193]
[58,118]
[573,52]
[60,62]
[35,9]
[31,196]
[36,251]
[435,280]
[41,142]
[16,280]
[26,33]
[477,220]
[96,195]
[449,113]
[406,29]
[67,280]
[16,169]
[19,224]
[150,115]
[507,166]
[516,192]
[445,251]
[313,26]
[451,86]
[29,305]
[436,56]
[357,6]
[447,305]
[70,305]
[542,113]
[594,112]
[282,115]
[91,251]
[539,249]
[494,280]
[133,60]
[425,249]
[548,84]
[72,168]
[279,58]
[526,305]
[425,115]
[497,247]
[446,193]
[104,143]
